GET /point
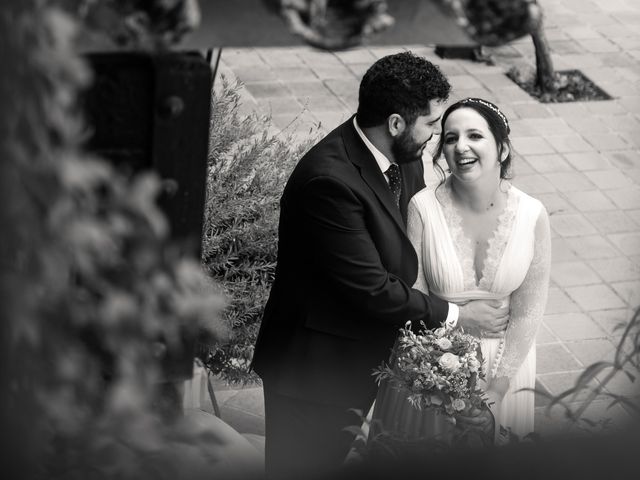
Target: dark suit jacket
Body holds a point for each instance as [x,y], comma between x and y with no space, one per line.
[344,275]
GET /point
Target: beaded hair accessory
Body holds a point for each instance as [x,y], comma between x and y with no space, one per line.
[491,107]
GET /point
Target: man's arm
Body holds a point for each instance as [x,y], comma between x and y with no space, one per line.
[342,245]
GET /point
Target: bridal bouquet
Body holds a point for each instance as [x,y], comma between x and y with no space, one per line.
[439,368]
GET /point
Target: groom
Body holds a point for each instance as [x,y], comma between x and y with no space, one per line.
[345,268]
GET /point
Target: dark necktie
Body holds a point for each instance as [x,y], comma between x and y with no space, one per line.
[395,182]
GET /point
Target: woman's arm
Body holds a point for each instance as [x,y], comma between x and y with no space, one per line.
[527,307]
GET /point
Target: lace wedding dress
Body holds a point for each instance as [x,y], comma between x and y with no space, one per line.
[516,270]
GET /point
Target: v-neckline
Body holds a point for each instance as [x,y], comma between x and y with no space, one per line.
[463,244]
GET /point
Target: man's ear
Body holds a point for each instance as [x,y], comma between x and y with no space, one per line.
[504,152]
[396,124]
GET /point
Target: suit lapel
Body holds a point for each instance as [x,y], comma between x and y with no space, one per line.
[360,155]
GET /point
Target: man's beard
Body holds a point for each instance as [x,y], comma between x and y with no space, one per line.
[405,149]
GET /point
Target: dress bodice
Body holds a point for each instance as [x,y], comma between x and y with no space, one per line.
[447,252]
[516,266]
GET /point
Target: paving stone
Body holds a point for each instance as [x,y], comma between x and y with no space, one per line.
[549,126]
[616,416]
[595,297]
[553,358]
[571,225]
[279,106]
[255,73]
[308,88]
[634,215]
[520,128]
[631,138]
[590,351]
[612,320]
[494,80]
[323,104]
[573,326]
[630,104]
[332,71]
[261,90]
[569,181]
[533,184]
[600,45]
[561,251]
[616,269]
[358,55]
[343,87]
[557,383]
[582,32]
[555,203]
[573,273]
[559,302]
[614,221]
[379,52]
[297,73]
[621,123]
[280,57]
[511,94]
[625,198]
[588,160]
[605,107]
[240,57]
[586,125]
[330,120]
[532,146]
[608,179]
[570,109]
[566,47]
[629,292]
[464,82]
[358,70]
[545,335]
[604,142]
[625,160]
[520,166]
[315,58]
[592,246]
[620,88]
[590,201]
[568,143]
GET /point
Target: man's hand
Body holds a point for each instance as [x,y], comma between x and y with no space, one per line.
[484,318]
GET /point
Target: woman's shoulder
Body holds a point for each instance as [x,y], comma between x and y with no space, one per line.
[426,196]
[528,207]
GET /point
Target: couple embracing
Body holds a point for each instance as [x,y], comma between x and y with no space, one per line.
[364,247]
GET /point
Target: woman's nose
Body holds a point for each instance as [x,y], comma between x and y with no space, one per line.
[461,145]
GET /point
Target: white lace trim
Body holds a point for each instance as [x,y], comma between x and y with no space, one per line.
[464,247]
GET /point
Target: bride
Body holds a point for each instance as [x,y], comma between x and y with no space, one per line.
[479,237]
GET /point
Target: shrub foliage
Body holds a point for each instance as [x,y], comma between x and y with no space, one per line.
[249,163]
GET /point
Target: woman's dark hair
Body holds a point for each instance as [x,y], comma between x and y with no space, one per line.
[402,83]
[498,125]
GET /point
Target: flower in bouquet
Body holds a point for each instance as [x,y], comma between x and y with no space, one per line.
[438,369]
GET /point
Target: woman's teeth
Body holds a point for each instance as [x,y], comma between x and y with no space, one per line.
[466,161]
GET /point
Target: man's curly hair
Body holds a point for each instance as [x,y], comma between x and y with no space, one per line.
[402,83]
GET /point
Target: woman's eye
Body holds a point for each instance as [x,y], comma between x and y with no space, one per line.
[450,140]
[475,136]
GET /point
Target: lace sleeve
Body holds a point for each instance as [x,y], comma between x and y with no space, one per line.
[415,232]
[528,303]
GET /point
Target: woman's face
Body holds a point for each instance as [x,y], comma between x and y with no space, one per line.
[469,146]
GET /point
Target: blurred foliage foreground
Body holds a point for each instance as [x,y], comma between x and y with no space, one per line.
[90,282]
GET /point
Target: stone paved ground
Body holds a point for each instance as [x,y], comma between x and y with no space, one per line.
[582,160]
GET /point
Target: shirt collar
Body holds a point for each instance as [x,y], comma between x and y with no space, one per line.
[382,161]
